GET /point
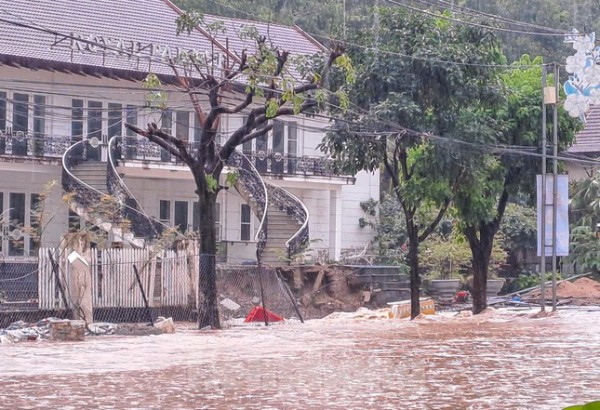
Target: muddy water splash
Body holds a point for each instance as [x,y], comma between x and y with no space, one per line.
[498,361]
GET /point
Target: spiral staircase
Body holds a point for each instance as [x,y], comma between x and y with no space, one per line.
[98,194]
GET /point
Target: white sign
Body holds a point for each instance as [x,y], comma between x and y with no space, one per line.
[562,215]
[106,45]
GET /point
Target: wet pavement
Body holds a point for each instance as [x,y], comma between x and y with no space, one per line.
[493,361]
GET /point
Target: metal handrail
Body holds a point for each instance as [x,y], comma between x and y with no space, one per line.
[297,200]
[139,210]
[66,160]
[240,161]
[263,221]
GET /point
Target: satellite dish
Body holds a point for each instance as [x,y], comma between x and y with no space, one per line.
[16,234]
[94,142]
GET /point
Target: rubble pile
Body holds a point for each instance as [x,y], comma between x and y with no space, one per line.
[75,330]
[583,291]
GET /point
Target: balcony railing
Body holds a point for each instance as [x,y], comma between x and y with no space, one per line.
[22,144]
[265,162]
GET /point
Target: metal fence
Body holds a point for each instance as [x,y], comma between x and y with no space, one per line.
[135,285]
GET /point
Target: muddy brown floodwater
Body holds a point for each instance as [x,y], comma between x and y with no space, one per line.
[496,361]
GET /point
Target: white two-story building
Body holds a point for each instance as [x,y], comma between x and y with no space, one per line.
[72,73]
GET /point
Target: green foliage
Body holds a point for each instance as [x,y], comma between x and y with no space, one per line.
[445,257]
[584,214]
[593,405]
[529,280]
[272,108]
[386,220]
[232,178]
[155,98]
[211,183]
[188,21]
[518,230]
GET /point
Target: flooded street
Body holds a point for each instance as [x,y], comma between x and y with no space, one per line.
[495,361]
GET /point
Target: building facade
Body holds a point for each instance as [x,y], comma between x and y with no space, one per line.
[73,73]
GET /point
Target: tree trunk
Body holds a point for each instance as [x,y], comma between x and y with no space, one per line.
[208,313]
[481,250]
[415,278]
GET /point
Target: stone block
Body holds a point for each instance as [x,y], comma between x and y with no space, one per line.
[67,330]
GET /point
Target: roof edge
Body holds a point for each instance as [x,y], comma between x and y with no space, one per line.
[309,37]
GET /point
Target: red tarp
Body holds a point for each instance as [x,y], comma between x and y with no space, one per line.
[258,315]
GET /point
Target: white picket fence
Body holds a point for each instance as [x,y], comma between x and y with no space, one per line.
[165,278]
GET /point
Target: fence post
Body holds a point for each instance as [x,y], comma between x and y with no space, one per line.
[262,290]
[192,252]
[77,249]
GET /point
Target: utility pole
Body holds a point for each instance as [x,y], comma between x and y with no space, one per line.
[542,212]
[554,182]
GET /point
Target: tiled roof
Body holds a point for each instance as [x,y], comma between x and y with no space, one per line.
[290,39]
[30,31]
[588,139]
[286,38]
[144,21]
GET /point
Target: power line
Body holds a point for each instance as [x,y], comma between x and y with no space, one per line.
[479,14]
[469,23]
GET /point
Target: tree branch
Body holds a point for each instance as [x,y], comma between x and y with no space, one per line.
[171,144]
[256,133]
[436,221]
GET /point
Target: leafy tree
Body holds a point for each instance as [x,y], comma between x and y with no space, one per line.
[482,202]
[584,214]
[419,75]
[266,92]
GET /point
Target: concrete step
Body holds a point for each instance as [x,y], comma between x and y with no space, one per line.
[281,219]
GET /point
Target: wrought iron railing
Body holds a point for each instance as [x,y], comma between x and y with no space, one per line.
[274,163]
[142,225]
[253,189]
[294,207]
[94,201]
[23,144]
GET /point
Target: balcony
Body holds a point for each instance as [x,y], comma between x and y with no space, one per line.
[24,145]
[267,163]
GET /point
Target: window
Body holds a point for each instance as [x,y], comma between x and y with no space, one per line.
[132,118]
[94,128]
[166,125]
[94,120]
[34,240]
[115,120]
[292,146]
[245,223]
[20,112]
[196,219]
[2,111]
[166,121]
[164,212]
[278,140]
[260,161]
[196,216]
[39,116]
[181,216]
[17,221]
[182,129]
[76,120]
[197,129]
[278,132]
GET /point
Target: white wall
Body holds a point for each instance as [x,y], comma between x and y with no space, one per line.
[334,206]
